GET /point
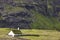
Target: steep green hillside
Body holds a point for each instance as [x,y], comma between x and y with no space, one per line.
[43,22]
[30,14]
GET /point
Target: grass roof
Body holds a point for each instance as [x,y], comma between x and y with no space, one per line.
[17,31]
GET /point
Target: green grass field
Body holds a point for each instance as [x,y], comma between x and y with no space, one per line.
[43,34]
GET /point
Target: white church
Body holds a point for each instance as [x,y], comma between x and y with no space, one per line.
[14,33]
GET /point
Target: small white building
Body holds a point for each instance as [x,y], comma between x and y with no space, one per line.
[14,33]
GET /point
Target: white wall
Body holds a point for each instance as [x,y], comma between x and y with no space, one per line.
[11,34]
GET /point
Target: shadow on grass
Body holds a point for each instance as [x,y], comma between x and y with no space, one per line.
[30,35]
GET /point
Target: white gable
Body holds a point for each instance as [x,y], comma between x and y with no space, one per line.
[18,28]
[11,33]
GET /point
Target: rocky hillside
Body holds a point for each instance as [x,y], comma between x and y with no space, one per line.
[29,14]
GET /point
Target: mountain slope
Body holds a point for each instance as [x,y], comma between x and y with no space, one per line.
[29,14]
[43,22]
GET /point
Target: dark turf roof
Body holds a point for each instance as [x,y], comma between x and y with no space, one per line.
[17,32]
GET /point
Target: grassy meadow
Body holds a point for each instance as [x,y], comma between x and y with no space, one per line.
[43,34]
